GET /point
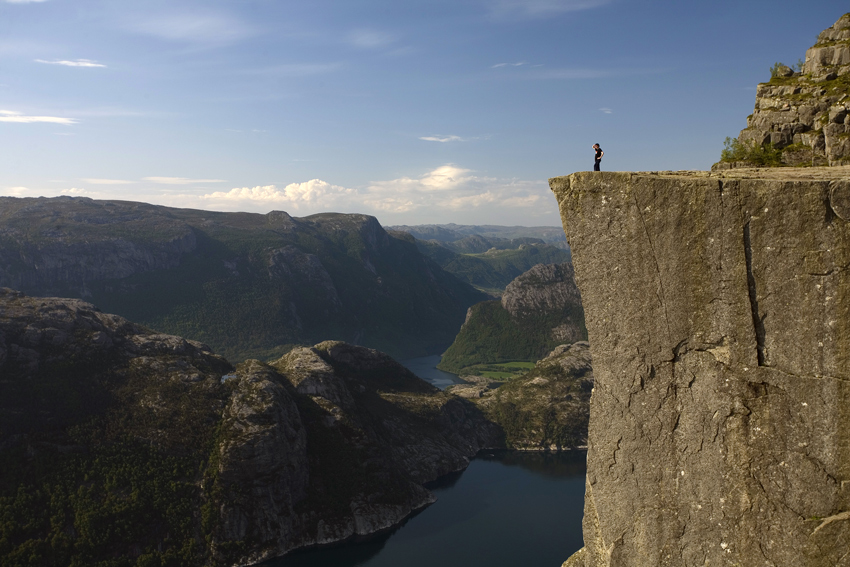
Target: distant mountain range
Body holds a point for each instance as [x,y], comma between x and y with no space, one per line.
[249,285]
[492,257]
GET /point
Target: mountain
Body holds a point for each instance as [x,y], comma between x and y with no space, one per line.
[453,232]
[718,316]
[545,409]
[539,310]
[500,262]
[801,117]
[125,446]
[249,285]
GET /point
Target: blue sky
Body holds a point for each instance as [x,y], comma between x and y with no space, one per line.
[416,112]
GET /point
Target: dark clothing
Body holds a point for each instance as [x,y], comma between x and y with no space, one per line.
[598,159]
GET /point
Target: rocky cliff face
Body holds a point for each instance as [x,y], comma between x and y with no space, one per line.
[806,113]
[718,314]
[539,310]
[119,442]
[246,284]
[545,409]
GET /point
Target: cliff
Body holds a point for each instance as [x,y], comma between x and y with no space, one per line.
[119,443]
[539,310]
[246,284]
[718,313]
[805,113]
[545,409]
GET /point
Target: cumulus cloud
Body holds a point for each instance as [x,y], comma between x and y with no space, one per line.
[181,180]
[442,139]
[309,194]
[12,116]
[74,63]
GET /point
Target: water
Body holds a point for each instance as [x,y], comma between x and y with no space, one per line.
[507,509]
[425,368]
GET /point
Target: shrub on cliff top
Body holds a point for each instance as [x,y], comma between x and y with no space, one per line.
[765,155]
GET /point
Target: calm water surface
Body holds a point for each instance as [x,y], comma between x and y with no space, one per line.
[507,509]
[426,368]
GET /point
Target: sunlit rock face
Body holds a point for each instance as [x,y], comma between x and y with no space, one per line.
[805,113]
[718,313]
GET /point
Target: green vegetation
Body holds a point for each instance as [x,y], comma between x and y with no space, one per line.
[245,284]
[549,406]
[491,336]
[766,155]
[503,371]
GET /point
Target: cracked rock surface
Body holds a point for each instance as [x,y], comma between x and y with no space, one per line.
[718,313]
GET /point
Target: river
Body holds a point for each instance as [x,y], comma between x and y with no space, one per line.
[507,509]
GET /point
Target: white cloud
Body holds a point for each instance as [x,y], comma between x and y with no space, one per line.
[23,1]
[518,64]
[316,194]
[18,192]
[74,63]
[12,116]
[181,180]
[606,110]
[370,39]
[540,8]
[442,139]
[98,181]
[195,27]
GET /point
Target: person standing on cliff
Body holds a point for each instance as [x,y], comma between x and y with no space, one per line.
[599,154]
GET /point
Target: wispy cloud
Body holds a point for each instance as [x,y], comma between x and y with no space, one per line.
[12,116]
[196,27]
[370,39]
[295,69]
[518,64]
[606,111]
[74,63]
[98,181]
[443,139]
[23,1]
[181,180]
[540,8]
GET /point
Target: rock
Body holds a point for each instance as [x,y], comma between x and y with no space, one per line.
[797,112]
[548,407]
[539,310]
[104,422]
[718,314]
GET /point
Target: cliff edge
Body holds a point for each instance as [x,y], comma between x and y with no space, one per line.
[718,313]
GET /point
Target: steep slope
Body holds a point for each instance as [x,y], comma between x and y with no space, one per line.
[546,408]
[718,315]
[244,283]
[804,114]
[122,446]
[539,310]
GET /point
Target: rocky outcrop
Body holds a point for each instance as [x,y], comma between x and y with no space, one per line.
[718,314]
[249,285]
[805,113]
[117,441]
[539,310]
[547,408]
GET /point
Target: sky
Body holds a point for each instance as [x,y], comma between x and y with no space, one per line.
[416,112]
